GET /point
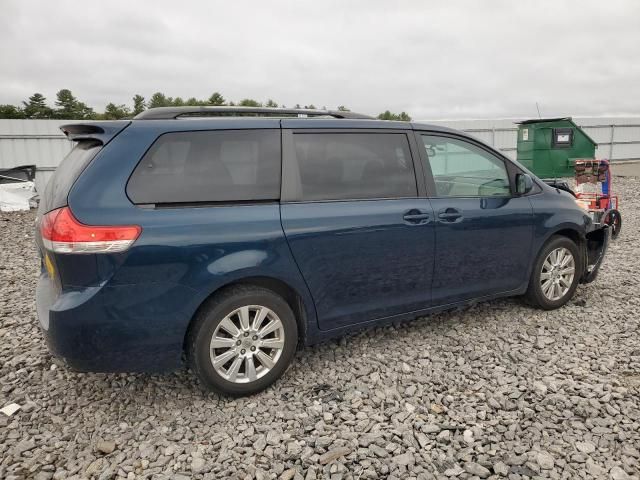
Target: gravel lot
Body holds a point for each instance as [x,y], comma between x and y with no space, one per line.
[495,390]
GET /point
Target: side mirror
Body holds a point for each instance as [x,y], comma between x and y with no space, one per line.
[524,183]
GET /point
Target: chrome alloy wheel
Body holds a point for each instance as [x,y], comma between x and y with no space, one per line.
[247,344]
[557,274]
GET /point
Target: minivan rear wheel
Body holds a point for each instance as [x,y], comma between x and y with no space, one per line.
[242,340]
[556,274]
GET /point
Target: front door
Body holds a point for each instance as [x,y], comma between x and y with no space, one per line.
[361,235]
[483,232]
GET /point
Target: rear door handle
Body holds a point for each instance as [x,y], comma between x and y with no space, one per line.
[416,216]
[449,214]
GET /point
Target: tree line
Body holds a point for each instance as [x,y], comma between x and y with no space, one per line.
[67,106]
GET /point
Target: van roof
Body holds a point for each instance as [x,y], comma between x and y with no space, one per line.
[291,117]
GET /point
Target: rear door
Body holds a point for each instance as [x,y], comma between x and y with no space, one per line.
[359,229]
[483,231]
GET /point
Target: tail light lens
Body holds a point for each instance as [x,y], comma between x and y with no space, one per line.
[62,233]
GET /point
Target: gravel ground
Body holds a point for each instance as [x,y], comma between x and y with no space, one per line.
[495,390]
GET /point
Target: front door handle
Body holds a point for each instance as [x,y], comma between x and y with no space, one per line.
[416,217]
[450,214]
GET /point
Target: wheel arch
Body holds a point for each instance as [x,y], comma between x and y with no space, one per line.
[569,231]
[293,298]
[572,233]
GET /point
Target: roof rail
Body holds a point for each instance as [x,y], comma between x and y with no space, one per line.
[167,113]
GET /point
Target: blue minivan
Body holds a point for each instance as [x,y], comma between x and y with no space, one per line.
[226,237]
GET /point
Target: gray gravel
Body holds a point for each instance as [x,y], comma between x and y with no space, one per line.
[492,391]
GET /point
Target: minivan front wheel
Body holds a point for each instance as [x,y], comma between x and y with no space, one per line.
[555,275]
[242,340]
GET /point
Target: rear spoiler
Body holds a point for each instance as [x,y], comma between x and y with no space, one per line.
[101,131]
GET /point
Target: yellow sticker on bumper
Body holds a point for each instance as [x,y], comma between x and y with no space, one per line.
[51,270]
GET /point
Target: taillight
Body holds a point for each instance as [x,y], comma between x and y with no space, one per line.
[62,233]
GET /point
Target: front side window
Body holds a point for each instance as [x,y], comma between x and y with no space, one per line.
[335,166]
[209,166]
[460,169]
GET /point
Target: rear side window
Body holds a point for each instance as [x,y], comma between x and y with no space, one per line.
[65,175]
[335,166]
[209,166]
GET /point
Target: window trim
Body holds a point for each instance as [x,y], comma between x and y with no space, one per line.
[430,181]
[200,203]
[291,189]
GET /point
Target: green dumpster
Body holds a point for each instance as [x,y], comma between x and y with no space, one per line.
[549,146]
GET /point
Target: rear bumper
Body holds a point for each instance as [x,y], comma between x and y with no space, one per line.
[125,328]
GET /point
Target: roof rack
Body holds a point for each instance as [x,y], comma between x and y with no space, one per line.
[167,113]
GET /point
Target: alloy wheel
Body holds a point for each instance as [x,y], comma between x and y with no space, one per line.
[247,344]
[558,271]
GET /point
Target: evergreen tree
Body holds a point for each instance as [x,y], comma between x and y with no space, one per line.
[249,102]
[67,104]
[216,99]
[83,111]
[70,108]
[116,112]
[37,107]
[11,111]
[158,99]
[387,115]
[138,104]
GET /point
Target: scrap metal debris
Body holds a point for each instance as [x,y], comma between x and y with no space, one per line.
[10,409]
[17,188]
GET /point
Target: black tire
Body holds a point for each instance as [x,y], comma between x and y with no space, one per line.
[534,295]
[212,313]
[614,220]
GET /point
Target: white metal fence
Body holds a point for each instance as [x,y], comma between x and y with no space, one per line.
[40,142]
[33,142]
[618,138]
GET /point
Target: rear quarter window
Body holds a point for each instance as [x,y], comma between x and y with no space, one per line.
[57,189]
[209,166]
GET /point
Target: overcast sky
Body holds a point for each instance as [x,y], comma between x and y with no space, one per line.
[432,59]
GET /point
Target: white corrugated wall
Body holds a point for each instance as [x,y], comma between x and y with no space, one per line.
[40,142]
[33,142]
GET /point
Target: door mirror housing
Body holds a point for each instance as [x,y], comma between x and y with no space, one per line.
[524,183]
